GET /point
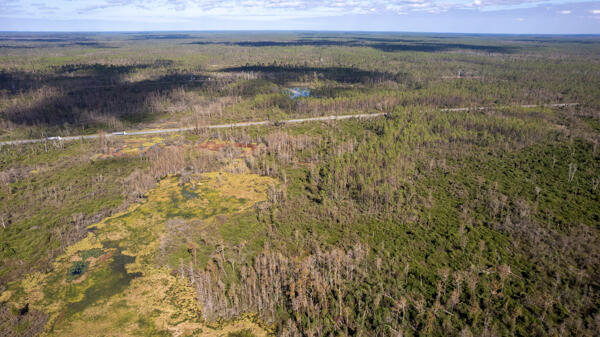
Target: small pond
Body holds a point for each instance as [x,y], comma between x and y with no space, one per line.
[298,92]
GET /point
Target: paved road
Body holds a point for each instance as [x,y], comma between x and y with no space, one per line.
[160,131]
[556,105]
[237,125]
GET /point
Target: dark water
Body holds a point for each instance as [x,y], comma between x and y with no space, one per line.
[107,281]
[298,92]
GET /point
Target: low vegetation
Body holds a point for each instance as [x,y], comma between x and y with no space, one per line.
[110,276]
[421,222]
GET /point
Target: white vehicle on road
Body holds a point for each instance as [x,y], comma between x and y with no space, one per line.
[243,124]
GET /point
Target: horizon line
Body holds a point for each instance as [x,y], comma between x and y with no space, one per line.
[296,30]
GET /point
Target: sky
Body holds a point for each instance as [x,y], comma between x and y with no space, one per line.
[451,16]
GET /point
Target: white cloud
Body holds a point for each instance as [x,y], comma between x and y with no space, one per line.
[520,19]
[256,10]
[285,8]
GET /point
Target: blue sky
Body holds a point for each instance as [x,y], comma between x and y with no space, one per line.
[468,16]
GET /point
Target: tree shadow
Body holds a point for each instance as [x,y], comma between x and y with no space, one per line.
[296,43]
[383,44]
[431,47]
[32,39]
[88,94]
[60,45]
[72,75]
[590,40]
[4,46]
[162,37]
[37,40]
[388,40]
[282,74]
[94,45]
[100,69]
[15,81]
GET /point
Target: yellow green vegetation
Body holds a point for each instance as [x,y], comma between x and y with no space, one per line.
[133,146]
[121,278]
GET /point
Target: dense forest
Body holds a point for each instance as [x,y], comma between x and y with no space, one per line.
[428,220]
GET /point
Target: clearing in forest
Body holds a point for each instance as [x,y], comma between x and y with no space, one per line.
[122,278]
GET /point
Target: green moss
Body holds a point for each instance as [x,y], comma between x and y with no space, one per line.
[188,193]
[109,279]
[95,252]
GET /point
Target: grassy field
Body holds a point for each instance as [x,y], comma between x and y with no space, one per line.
[109,281]
[419,223]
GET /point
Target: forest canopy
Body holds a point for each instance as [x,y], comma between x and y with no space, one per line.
[467,205]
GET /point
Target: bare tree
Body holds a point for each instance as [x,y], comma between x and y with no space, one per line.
[572,170]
